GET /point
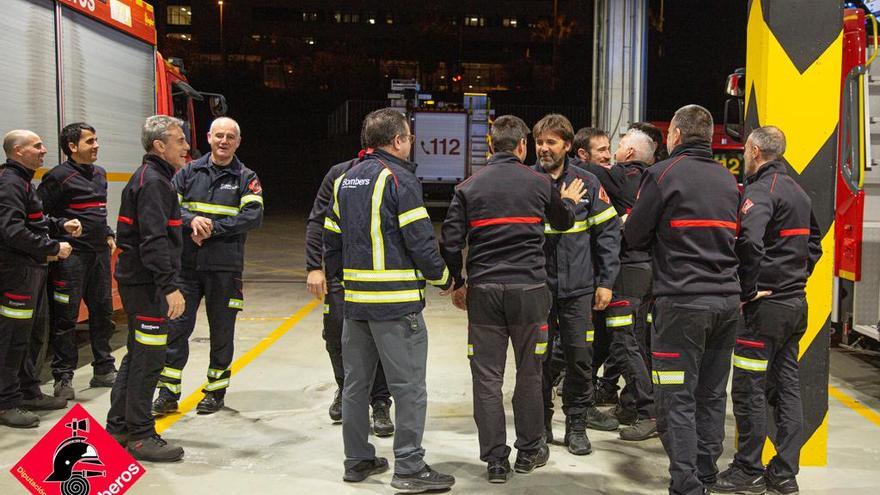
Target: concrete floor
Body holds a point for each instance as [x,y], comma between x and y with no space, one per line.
[275,436]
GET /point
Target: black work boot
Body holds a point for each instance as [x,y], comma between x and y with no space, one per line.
[164,404]
[780,485]
[548,426]
[425,480]
[103,380]
[210,403]
[624,416]
[154,449]
[43,402]
[735,480]
[335,410]
[499,471]
[363,469]
[19,418]
[642,429]
[382,425]
[576,435]
[63,389]
[597,420]
[605,395]
[526,462]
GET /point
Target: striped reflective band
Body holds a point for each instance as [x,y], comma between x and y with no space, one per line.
[172,373]
[591,335]
[215,373]
[376,238]
[210,208]
[619,321]
[411,216]
[579,226]
[540,348]
[17,314]
[442,280]
[62,298]
[331,225]
[602,217]
[667,377]
[356,275]
[747,364]
[236,304]
[703,223]
[212,386]
[150,338]
[378,297]
[650,317]
[326,309]
[250,198]
[470,349]
[793,232]
[336,195]
[172,387]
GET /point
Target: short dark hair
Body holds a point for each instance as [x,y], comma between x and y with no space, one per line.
[583,136]
[381,126]
[555,123]
[695,124]
[71,134]
[507,132]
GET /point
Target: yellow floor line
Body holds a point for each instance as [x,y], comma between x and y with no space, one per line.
[189,403]
[855,405]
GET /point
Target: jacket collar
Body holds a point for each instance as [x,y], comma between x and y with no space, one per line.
[634,164]
[205,162]
[771,167]
[387,157]
[159,164]
[23,171]
[80,167]
[503,157]
[702,149]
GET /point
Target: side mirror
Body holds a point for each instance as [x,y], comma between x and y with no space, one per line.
[736,83]
[218,106]
[734,118]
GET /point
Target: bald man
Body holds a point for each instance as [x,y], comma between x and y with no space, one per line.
[25,246]
[220,201]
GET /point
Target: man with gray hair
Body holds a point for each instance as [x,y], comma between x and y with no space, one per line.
[221,201]
[149,235]
[778,246]
[686,215]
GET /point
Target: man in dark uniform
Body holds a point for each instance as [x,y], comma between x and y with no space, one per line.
[507,297]
[778,246]
[77,189]
[24,248]
[686,214]
[149,233]
[221,201]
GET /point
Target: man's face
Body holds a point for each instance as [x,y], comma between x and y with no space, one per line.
[600,151]
[174,149]
[750,155]
[31,152]
[86,150]
[551,150]
[224,141]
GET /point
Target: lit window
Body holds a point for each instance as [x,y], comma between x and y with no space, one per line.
[310,16]
[337,17]
[179,36]
[179,15]
[474,21]
[509,22]
[309,40]
[389,19]
[371,19]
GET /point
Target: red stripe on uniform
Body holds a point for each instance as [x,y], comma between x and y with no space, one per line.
[544,328]
[85,206]
[504,221]
[126,220]
[665,355]
[792,232]
[618,304]
[17,297]
[59,283]
[175,223]
[150,319]
[35,215]
[754,344]
[703,223]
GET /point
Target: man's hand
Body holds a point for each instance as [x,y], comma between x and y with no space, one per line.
[761,294]
[111,241]
[316,282]
[459,298]
[575,191]
[202,227]
[198,239]
[73,227]
[64,250]
[176,304]
[603,298]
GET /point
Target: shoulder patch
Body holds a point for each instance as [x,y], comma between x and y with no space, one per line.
[747,205]
[255,186]
[604,195]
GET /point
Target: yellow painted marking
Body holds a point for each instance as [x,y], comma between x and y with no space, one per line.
[863,410]
[819,292]
[193,399]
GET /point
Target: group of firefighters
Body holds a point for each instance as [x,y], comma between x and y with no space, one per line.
[657,268]
[181,232]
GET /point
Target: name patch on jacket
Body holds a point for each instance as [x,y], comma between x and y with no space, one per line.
[231,187]
[353,183]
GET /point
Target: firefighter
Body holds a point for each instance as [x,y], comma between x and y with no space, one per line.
[506,294]
[332,290]
[570,256]
[148,271]
[221,200]
[380,240]
[591,145]
[656,135]
[778,246]
[686,214]
[24,248]
[77,189]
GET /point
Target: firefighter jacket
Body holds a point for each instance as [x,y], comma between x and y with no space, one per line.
[24,229]
[379,238]
[71,190]
[149,228]
[315,223]
[685,214]
[631,175]
[232,198]
[500,213]
[779,241]
[594,237]
[612,181]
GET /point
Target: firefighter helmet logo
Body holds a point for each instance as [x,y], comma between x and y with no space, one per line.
[76,460]
[255,186]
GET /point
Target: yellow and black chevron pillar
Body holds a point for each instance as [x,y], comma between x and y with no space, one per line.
[793,81]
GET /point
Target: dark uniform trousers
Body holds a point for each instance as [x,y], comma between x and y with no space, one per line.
[498,313]
[621,316]
[21,304]
[224,298]
[691,349]
[765,370]
[333,320]
[83,276]
[570,319]
[132,394]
